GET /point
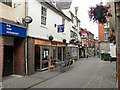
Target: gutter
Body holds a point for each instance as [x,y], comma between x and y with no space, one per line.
[26,48]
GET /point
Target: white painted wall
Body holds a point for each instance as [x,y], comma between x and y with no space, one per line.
[67,12]
[36,30]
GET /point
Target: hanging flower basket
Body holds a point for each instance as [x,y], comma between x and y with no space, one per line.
[77,41]
[50,37]
[64,40]
[112,38]
[73,39]
[99,13]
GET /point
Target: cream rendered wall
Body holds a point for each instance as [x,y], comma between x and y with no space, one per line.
[36,30]
[12,13]
[67,12]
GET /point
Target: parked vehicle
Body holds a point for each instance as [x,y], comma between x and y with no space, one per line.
[112,52]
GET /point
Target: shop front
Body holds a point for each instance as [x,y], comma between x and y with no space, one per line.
[12,47]
[46,51]
[73,51]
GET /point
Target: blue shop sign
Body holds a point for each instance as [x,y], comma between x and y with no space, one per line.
[7,29]
[60,28]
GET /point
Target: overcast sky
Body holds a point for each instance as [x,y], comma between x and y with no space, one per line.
[83,14]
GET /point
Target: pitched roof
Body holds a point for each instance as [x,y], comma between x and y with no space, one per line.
[63,5]
[56,8]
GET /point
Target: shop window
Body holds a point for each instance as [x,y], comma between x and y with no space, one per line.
[45,56]
[7,2]
[43,15]
[59,53]
[54,52]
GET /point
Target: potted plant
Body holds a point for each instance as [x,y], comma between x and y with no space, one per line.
[64,40]
[77,41]
[51,38]
[112,38]
[99,13]
[72,40]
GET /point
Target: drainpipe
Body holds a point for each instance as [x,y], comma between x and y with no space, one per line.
[26,48]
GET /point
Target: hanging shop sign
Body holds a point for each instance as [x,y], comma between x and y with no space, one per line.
[27,19]
[7,29]
[60,28]
[84,36]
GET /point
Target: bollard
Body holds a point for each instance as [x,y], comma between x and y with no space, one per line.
[73,61]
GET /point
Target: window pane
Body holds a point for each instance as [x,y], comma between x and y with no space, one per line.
[7,2]
[43,15]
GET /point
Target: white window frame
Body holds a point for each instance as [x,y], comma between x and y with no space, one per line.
[105,38]
[63,21]
[45,16]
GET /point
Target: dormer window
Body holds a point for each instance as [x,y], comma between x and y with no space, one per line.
[54,2]
[7,2]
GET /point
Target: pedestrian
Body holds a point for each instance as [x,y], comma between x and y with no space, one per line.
[87,55]
[94,54]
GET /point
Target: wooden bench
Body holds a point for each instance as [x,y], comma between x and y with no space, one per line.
[50,66]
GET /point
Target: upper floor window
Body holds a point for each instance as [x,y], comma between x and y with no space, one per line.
[43,15]
[71,34]
[63,21]
[105,36]
[7,2]
[72,18]
[76,23]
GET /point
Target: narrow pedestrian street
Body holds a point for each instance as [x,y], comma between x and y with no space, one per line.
[85,73]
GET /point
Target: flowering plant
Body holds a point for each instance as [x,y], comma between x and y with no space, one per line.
[64,40]
[100,13]
[112,38]
[51,38]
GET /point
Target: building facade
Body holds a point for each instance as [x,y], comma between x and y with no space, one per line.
[103,33]
[12,38]
[47,21]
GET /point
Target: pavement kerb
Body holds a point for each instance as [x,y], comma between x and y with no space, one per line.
[46,79]
[42,81]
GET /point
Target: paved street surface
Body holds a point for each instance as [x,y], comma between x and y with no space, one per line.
[85,73]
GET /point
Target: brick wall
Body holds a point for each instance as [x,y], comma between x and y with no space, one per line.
[19,56]
[1,56]
[118,42]
[101,32]
[31,51]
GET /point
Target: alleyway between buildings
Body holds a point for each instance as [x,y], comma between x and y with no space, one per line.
[85,73]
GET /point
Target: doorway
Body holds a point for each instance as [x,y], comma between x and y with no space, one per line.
[37,57]
[8,60]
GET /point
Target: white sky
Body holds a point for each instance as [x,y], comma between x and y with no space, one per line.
[83,14]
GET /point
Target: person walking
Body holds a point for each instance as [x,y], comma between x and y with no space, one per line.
[94,54]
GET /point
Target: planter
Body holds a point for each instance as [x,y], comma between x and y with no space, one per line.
[105,56]
[64,40]
[50,37]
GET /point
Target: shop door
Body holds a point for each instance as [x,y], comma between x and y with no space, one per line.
[8,61]
[37,57]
